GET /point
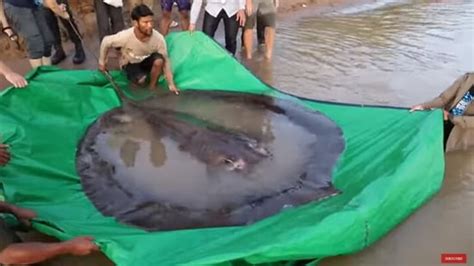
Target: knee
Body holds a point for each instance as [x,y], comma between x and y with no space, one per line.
[185,15]
[166,15]
[158,63]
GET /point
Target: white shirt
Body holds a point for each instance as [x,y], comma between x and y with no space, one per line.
[214,7]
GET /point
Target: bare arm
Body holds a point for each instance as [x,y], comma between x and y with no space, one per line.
[249,7]
[59,10]
[116,40]
[169,75]
[445,96]
[4,69]
[30,253]
[3,18]
[195,10]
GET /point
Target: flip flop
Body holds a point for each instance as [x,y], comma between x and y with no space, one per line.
[13,36]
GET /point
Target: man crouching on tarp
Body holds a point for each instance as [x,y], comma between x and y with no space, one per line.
[143,50]
[458,106]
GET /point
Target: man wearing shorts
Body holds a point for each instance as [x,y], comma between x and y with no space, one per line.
[27,18]
[267,11]
[143,50]
[166,6]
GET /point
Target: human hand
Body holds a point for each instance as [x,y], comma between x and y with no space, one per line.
[81,246]
[102,68]
[173,89]
[241,17]
[63,11]
[418,107]
[16,80]
[192,28]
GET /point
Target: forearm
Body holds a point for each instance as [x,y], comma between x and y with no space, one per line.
[195,10]
[437,102]
[53,5]
[3,18]
[104,50]
[30,253]
[4,69]
[168,72]
[242,4]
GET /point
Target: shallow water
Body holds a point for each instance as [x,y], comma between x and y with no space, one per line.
[388,53]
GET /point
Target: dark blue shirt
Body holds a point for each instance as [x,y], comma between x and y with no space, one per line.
[22,3]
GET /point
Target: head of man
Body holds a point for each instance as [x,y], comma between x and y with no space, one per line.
[142,18]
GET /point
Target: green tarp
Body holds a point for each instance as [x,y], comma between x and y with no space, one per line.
[392,164]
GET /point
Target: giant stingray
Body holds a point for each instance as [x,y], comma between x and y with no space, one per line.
[239,174]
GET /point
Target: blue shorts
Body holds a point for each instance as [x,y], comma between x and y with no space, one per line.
[183,5]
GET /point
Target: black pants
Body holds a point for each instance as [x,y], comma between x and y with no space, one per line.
[231,25]
[260,30]
[109,18]
[448,127]
[53,24]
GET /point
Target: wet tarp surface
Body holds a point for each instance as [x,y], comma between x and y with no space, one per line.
[392,163]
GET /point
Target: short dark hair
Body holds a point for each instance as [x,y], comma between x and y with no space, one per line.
[141,11]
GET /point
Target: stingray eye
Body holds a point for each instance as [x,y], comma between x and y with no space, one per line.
[228,161]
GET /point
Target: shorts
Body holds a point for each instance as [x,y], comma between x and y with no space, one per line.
[137,71]
[30,23]
[266,11]
[183,5]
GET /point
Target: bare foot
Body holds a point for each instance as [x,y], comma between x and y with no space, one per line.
[268,55]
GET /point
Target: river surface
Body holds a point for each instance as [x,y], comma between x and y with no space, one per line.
[398,54]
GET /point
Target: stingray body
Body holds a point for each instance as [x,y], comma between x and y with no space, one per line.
[248,175]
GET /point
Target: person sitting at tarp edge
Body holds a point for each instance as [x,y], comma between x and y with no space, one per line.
[143,50]
[12,252]
[458,106]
